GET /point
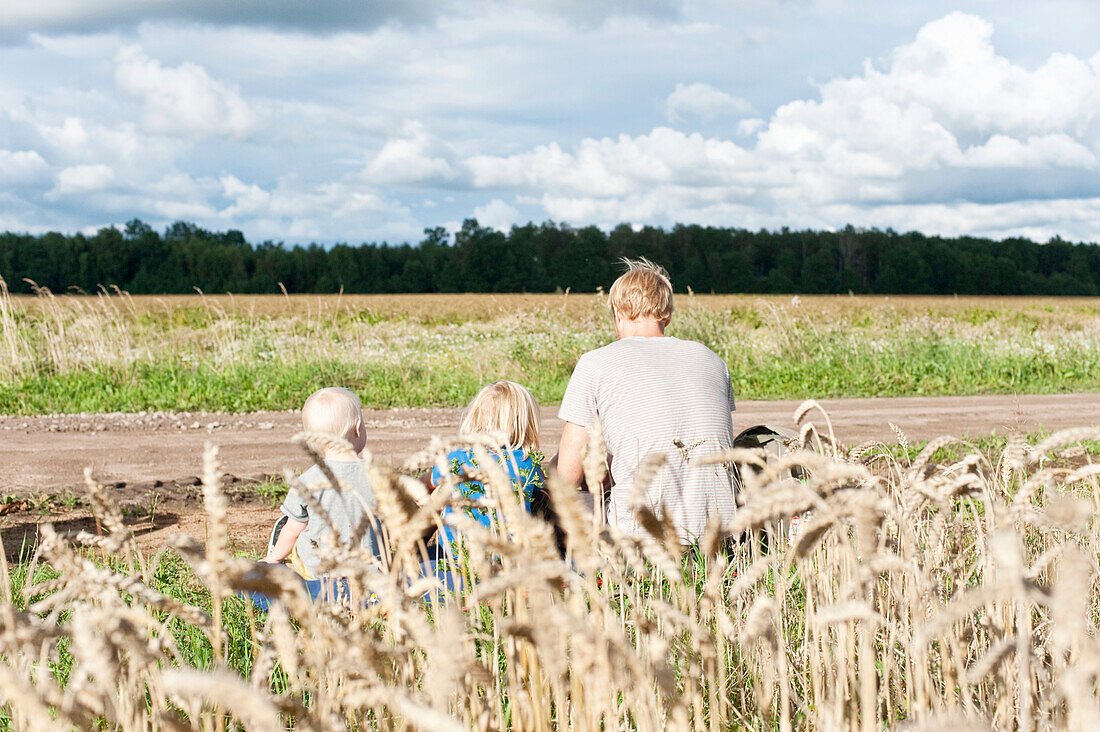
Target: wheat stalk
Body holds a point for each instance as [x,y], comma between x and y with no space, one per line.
[934,591]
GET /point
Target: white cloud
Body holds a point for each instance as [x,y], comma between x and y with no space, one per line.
[183,187]
[414,157]
[70,134]
[616,167]
[1037,151]
[294,209]
[750,126]
[182,210]
[497,215]
[277,119]
[1071,218]
[869,147]
[704,103]
[952,69]
[80,140]
[84,179]
[247,199]
[21,167]
[183,100]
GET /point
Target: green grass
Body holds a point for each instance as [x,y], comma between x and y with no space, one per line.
[838,369]
[74,359]
[235,388]
[170,576]
[274,490]
[843,368]
[990,446]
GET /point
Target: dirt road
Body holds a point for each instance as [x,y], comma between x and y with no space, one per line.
[150,461]
[50,453]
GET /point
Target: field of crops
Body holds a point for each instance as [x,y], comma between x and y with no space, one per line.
[950,595]
[121,353]
[943,586]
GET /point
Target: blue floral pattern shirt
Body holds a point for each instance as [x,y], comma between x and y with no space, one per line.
[523,469]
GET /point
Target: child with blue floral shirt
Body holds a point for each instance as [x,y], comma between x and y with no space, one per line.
[505,409]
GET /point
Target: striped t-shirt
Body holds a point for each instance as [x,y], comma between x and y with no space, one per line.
[648,393]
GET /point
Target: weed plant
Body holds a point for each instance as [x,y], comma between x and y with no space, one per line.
[111,352]
[940,595]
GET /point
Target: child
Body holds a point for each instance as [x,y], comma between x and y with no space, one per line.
[507,409]
[338,413]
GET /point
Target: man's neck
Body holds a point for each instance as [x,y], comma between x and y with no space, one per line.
[641,329]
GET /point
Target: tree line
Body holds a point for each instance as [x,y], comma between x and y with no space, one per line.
[548,257]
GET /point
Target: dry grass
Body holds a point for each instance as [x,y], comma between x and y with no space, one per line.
[942,596]
[113,352]
[576,306]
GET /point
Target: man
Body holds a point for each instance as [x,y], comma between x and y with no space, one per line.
[652,393]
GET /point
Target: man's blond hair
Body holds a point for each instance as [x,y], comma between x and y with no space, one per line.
[504,408]
[332,411]
[643,292]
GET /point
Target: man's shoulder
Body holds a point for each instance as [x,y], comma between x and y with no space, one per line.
[632,350]
[634,346]
[603,351]
[591,362]
[612,351]
[701,350]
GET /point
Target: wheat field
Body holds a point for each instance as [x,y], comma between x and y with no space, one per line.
[112,352]
[920,594]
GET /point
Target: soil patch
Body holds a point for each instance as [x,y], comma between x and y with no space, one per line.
[150,462]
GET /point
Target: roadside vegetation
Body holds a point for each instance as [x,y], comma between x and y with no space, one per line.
[947,589]
[113,352]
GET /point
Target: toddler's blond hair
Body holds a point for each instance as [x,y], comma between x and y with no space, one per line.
[332,411]
[505,408]
[643,292]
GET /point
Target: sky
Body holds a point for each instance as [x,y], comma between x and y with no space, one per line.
[344,120]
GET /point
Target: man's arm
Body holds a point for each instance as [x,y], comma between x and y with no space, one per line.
[570,462]
[285,543]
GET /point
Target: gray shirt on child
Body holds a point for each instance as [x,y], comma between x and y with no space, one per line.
[346,509]
[649,394]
